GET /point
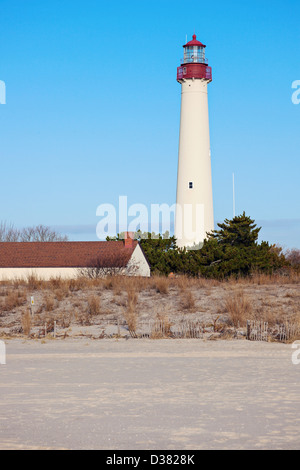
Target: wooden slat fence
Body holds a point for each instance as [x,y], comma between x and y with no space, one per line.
[257,330]
[287,331]
[260,331]
[163,329]
[160,328]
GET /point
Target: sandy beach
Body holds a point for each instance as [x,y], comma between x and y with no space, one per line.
[149,394]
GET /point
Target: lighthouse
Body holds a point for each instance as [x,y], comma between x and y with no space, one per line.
[194,200]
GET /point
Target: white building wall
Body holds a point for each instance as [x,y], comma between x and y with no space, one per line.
[137,266]
[40,273]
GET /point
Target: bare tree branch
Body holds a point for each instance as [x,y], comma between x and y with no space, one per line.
[8,233]
[40,233]
[110,265]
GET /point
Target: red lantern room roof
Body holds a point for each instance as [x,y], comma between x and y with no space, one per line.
[194,42]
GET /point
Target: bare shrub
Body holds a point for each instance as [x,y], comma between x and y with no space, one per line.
[238,307]
[293,256]
[111,264]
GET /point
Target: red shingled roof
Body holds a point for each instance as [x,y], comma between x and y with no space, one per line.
[65,254]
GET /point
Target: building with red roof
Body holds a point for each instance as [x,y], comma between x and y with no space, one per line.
[68,259]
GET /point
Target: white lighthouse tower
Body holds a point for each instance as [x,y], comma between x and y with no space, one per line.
[194,210]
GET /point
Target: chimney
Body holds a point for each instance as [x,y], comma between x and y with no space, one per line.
[129,238]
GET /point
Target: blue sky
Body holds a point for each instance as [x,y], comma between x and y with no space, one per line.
[92,108]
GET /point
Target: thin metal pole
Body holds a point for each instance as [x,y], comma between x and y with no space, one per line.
[233,192]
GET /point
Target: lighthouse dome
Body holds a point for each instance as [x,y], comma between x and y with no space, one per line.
[194,42]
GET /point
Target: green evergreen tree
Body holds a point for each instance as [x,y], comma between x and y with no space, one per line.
[240,231]
[233,250]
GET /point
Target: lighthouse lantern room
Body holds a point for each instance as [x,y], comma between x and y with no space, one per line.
[194,64]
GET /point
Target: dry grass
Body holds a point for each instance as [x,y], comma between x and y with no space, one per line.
[65,319]
[26,322]
[239,308]
[33,282]
[182,283]
[12,299]
[94,305]
[117,284]
[130,313]
[84,319]
[49,303]
[162,326]
[81,301]
[188,301]
[288,277]
[161,284]
[61,293]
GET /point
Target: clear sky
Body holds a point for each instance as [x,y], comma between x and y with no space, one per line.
[92,108]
